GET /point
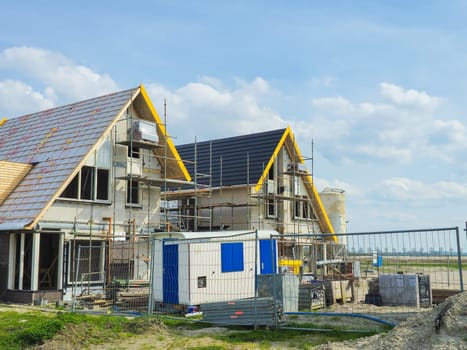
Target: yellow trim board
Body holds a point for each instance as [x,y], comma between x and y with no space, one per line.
[325,223]
[288,135]
[320,210]
[272,159]
[158,120]
[11,174]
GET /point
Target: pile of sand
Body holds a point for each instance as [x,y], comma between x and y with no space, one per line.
[445,327]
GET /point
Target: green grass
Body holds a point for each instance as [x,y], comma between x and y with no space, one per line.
[18,330]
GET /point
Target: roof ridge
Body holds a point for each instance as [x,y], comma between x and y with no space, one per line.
[231,138]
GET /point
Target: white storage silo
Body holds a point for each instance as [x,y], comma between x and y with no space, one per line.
[333,200]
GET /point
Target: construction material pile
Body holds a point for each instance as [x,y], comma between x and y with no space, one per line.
[443,328]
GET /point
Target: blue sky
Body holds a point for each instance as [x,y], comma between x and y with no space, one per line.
[378,86]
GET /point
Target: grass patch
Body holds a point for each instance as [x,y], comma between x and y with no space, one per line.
[18,330]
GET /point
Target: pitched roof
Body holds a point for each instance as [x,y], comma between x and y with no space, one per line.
[56,142]
[246,160]
[232,161]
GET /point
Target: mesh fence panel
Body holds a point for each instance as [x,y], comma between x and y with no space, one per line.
[115,278]
[384,274]
[241,279]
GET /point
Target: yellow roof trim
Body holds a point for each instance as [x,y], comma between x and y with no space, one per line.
[272,159]
[3,121]
[287,135]
[325,223]
[296,151]
[164,132]
[292,148]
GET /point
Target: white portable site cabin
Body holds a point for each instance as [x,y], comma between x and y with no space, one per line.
[191,268]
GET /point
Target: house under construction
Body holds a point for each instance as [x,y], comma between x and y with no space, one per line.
[84,186]
[248,182]
[80,184]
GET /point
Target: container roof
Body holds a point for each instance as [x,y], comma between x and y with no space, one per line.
[231,235]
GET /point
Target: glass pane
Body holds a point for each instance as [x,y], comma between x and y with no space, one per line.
[87,183]
[102,184]
[71,191]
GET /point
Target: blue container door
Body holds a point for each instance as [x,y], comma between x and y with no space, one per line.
[170,274]
[267,256]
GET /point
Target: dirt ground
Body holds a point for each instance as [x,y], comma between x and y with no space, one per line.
[445,327]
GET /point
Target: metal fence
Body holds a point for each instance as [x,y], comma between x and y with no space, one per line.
[386,275]
[252,279]
[111,276]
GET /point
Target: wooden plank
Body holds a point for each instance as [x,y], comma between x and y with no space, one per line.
[11,174]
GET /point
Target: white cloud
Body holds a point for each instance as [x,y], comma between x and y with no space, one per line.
[401,188]
[61,76]
[384,152]
[334,104]
[408,97]
[206,109]
[18,98]
[401,129]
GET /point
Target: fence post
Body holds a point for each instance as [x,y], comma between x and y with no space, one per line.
[151,276]
[459,259]
[274,283]
[256,277]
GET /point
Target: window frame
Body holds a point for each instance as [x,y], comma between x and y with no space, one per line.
[77,185]
[135,186]
[97,168]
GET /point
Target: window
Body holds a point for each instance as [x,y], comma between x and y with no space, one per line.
[72,189]
[271,208]
[271,173]
[271,191]
[305,212]
[134,152]
[102,185]
[89,185]
[302,209]
[132,193]
[93,180]
[297,209]
[232,257]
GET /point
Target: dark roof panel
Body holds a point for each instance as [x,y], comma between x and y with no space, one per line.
[235,160]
